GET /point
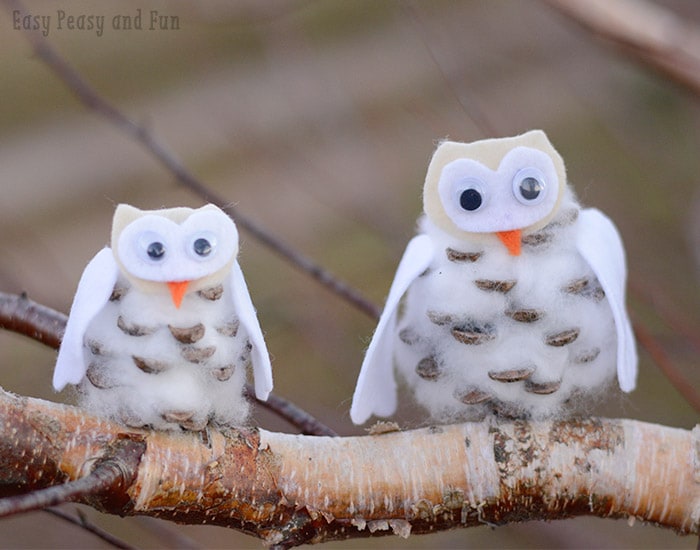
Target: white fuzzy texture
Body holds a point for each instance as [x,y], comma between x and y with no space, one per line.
[540,272]
[513,297]
[139,358]
[449,295]
[138,398]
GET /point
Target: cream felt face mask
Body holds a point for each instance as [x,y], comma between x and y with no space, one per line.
[483,190]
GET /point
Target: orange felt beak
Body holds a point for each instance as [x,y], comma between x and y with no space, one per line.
[177,291]
[512,240]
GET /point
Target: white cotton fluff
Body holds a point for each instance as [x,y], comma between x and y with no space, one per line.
[162,327]
[184,393]
[446,296]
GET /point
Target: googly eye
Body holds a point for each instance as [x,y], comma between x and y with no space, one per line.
[151,246]
[155,250]
[529,186]
[203,245]
[470,199]
[470,194]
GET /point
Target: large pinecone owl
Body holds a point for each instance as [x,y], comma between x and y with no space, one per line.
[511,298]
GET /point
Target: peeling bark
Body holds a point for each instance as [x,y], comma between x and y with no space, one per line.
[293,489]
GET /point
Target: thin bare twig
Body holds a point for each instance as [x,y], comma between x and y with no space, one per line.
[24,316]
[656,351]
[20,314]
[307,424]
[167,534]
[648,32]
[82,522]
[471,107]
[113,473]
[671,318]
[91,99]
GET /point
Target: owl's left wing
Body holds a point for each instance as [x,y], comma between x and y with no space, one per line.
[375,392]
[601,246]
[94,289]
[262,369]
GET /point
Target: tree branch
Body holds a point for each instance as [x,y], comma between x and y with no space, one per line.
[295,489]
[24,316]
[648,32]
[109,477]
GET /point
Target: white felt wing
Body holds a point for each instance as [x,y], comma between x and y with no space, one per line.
[262,369]
[375,392]
[601,246]
[94,289]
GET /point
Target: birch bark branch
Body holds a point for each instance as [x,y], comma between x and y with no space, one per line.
[295,489]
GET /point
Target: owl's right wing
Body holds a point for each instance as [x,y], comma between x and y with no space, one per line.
[260,357]
[600,244]
[375,392]
[94,289]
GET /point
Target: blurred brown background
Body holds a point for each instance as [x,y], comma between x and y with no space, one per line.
[318,119]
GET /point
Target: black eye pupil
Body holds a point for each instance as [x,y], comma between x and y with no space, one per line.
[155,250]
[202,247]
[530,188]
[470,199]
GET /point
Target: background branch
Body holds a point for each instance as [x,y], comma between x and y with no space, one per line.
[82,522]
[648,342]
[649,33]
[24,316]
